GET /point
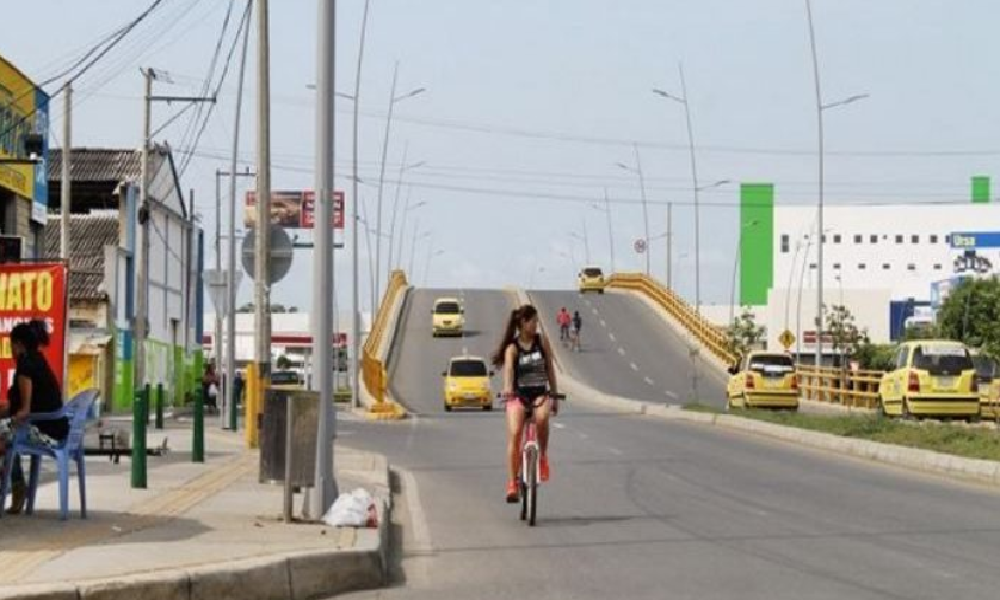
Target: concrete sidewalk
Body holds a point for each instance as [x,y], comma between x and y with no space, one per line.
[199,530]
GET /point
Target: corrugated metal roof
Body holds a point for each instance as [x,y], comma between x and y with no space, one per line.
[89,234]
[104,164]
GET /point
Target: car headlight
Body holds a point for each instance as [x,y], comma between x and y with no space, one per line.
[453,387]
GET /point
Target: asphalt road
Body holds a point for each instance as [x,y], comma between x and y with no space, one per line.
[640,508]
[628,350]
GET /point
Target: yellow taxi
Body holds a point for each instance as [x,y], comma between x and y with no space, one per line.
[932,378]
[592,280]
[448,317]
[763,380]
[467,384]
[988,377]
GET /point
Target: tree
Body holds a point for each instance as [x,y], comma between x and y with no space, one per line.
[744,333]
[284,363]
[876,357]
[246,308]
[971,314]
[847,338]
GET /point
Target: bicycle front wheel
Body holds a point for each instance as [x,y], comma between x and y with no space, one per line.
[531,497]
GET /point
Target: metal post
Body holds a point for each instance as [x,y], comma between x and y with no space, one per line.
[198,437]
[142,275]
[231,256]
[217,341]
[325,488]
[381,183]
[645,208]
[158,416]
[355,303]
[139,410]
[819,244]
[287,489]
[395,209]
[670,246]
[611,237]
[586,240]
[413,248]
[697,203]
[798,311]
[262,249]
[67,159]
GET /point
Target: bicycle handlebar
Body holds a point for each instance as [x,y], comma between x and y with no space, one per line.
[514,396]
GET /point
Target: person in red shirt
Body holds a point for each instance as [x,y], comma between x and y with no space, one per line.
[564,319]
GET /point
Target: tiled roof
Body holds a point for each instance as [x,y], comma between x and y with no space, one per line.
[104,164]
[89,234]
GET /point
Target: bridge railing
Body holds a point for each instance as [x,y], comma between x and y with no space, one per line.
[373,368]
[701,328]
[856,389]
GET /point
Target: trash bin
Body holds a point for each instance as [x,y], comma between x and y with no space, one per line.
[305,415]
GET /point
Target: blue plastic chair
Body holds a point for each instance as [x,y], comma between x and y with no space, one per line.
[71,449]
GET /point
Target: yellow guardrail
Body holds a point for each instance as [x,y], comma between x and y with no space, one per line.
[373,370]
[858,389]
[705,331]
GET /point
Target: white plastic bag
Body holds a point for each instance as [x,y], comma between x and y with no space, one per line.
[350,510]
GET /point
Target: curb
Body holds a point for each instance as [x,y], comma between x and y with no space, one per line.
[288,576]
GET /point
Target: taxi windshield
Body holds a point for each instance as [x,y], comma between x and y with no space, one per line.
[592,272]
[447,308]
[468,368]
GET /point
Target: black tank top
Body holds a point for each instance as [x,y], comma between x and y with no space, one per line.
[531,371]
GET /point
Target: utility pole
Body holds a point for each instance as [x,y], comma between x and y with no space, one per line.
[325,489]
[262,247]
[670,246]
[611,237]
[395,209]
[355,201]
[67,159]
[231,256]
[381,183]
[224,391]
[645,208]
[586,240]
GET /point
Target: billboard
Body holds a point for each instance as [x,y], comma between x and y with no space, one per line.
[32,291]
[294,209]
[24,109]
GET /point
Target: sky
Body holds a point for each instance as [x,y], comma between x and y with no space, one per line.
[529,105]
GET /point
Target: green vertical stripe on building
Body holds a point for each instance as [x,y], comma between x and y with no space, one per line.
[981,189]
[756,242]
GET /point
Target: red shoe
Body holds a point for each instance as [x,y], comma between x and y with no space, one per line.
[543,468]
[513,492]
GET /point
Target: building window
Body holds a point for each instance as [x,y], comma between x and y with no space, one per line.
[934,239]
[885,266]
[899,239]
[874,239]
[836,239]
[911,267]
[915,239]
[861,266]
[937,266]
[857,239]
[947,239]
[836,266]
[812,265]
[784,243]
[824,239]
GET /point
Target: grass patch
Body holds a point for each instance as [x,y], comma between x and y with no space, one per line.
[970,442]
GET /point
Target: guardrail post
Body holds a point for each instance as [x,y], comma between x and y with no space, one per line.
[198,437]
[140,415]
[158,423]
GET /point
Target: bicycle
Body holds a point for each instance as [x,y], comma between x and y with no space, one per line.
[530,453]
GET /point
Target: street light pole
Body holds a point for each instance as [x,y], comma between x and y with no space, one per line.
[402,230]
[355,202]
[324,490]
[670,245]
[736,262]
[262,243]
[645,207]
[819,244]
[381,184]
[611,237]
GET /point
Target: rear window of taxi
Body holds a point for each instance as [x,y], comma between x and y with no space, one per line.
[941,359]
[771,364]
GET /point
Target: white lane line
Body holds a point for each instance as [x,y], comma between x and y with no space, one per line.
[422,543]
[615,451]
[672,395]
[612,336]
[583,436]
[634,366]
[559,426]
[595,312]
[650,381]
[604,323]
[621,351]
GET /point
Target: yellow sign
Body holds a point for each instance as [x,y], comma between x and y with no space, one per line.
[786,339]
[17,107]
[82,374]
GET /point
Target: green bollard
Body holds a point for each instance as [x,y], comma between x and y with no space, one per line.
[159,406]
[140,411]
[198,439]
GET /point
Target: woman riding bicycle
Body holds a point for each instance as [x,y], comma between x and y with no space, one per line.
[528,375]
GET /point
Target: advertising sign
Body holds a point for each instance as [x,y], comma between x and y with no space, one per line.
[29,292]
[17,119]
[294,210]
[969,240]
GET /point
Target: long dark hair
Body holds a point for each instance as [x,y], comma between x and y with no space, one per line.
[31,335]
[518,316]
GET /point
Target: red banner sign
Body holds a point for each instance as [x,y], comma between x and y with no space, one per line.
[30,291]
[294,210]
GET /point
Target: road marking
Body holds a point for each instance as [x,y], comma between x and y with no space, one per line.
[465,350]
[634,367]
[418,520]
[615,451]
[612,336]
[621,351]
[559,426]
[650,381]
[604,323]
[670,394]
[595,312]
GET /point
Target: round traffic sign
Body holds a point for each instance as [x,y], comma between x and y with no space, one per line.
[640,246]
[280,259]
